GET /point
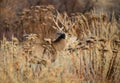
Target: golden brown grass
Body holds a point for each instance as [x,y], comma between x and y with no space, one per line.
[91,52]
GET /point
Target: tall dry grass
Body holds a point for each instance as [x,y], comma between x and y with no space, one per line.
[91,52]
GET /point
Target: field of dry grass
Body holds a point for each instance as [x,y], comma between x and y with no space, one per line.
[32,49]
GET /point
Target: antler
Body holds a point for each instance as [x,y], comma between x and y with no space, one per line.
[63,20]
[56,19]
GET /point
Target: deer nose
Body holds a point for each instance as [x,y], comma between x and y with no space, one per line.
[59,37]
[62,35]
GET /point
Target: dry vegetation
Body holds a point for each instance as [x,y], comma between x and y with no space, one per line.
[31,50]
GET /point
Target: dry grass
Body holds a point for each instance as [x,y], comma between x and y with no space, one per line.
[91,53]
[31,53]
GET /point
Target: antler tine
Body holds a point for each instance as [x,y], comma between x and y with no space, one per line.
[54,27]
[56,24]
[55,20]
[57,16]
[71,25]
[65,17]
